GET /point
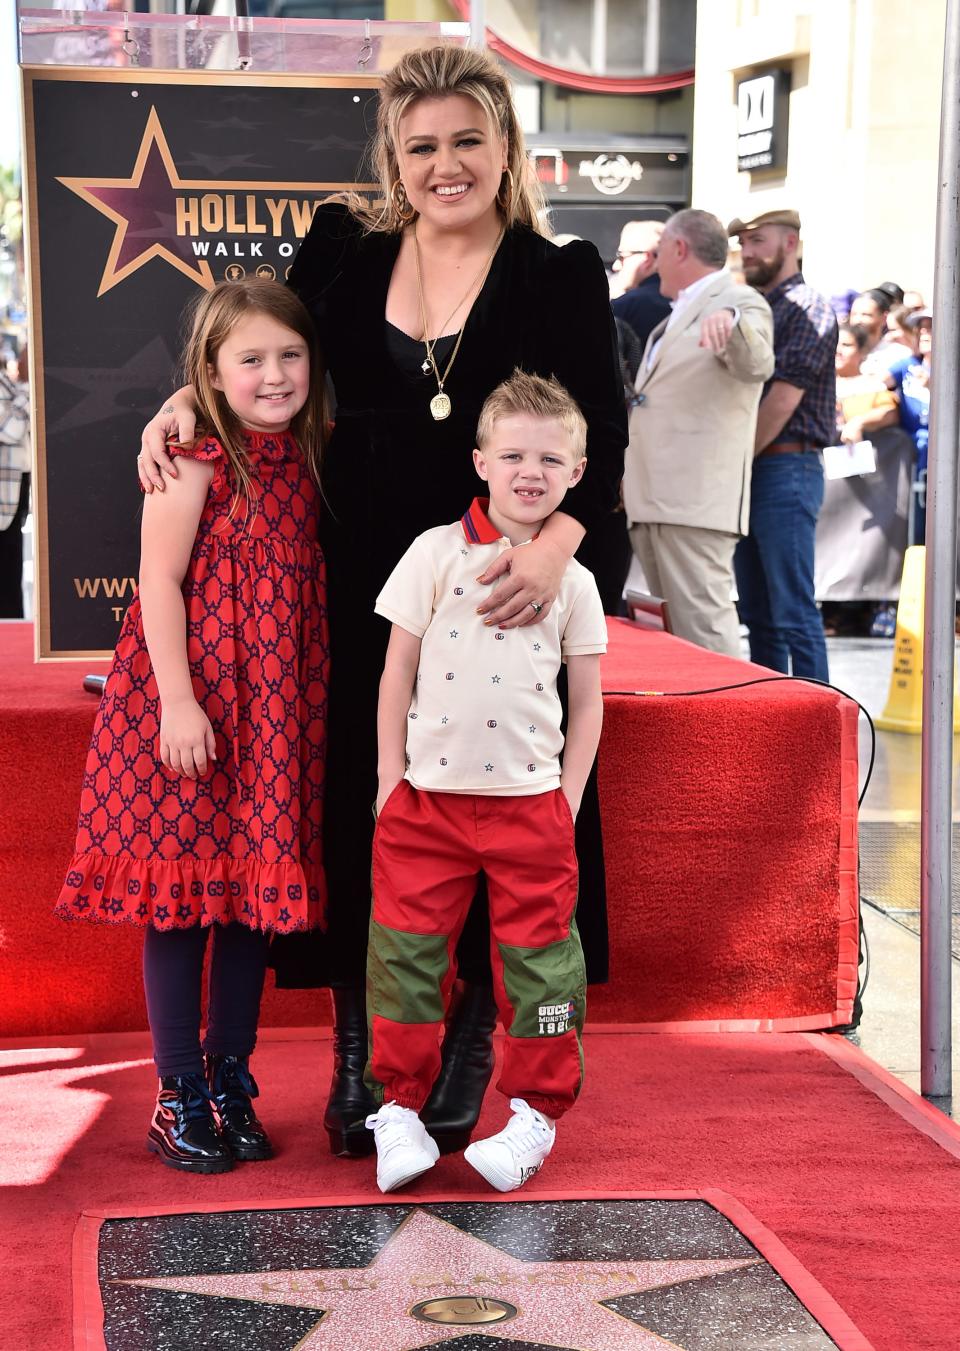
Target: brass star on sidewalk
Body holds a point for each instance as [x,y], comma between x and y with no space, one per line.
[432,1282]
[143,208]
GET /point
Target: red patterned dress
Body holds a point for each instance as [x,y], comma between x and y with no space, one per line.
[244,842]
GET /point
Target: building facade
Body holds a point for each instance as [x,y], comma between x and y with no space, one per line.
[833,107]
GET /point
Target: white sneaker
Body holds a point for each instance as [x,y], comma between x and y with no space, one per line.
[404,1149]
[512,1157]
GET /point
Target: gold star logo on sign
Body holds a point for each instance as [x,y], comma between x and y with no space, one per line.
[185,221]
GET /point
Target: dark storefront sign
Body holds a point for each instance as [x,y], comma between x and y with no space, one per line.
[594,190]
[763,106]
[144,186]
[612,174]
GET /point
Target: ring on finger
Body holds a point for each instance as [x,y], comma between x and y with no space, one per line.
[536,606]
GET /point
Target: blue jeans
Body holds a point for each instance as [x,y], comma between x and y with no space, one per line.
[774,565]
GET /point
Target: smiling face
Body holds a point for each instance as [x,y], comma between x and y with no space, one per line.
[529,463]
[263,371]
[450,160]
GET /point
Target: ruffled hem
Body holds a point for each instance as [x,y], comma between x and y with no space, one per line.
[181,893]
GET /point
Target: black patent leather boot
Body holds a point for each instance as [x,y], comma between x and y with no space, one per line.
[466,1066]
[232,1087]
[184,1131]
[350,1100]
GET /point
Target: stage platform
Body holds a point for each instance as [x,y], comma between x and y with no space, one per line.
[730,831]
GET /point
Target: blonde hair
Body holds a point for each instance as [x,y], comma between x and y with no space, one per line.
[439,72]
[212,317]
[539,396]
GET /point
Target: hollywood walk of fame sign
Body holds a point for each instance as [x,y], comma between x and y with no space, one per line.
[142,187]
[615,1275]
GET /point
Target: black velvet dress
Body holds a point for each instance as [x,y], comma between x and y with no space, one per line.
[392,472]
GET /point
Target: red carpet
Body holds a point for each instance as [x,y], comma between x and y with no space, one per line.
[729,828]
[859,1180]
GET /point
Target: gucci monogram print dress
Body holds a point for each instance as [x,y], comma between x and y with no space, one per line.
[243,842]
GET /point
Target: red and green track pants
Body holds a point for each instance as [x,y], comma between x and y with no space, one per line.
[428,851]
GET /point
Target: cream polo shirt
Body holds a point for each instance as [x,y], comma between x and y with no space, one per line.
[485,714]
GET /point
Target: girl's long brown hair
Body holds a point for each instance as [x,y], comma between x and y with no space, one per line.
[436,72]
[212,317]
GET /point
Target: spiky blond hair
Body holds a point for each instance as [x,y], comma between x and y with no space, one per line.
[540,396]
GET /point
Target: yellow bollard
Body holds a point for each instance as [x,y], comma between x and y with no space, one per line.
[904,709]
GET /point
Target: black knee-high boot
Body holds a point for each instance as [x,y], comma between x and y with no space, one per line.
[350,1100]
[466,1066]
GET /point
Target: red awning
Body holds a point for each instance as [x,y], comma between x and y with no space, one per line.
[578,79]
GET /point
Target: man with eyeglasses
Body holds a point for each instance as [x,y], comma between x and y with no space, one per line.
[635,291]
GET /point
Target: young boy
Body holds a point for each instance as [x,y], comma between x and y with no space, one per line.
[470,782]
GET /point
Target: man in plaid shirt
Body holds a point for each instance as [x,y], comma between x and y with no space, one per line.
[14,491]
[796,419]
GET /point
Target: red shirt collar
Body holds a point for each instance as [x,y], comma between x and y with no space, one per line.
[476,525]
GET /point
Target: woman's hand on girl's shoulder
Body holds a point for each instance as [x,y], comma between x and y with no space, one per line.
[176,421]
[187,744]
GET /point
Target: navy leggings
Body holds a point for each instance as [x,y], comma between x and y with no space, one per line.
[173,981]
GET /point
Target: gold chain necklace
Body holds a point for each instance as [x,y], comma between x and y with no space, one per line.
[440,404]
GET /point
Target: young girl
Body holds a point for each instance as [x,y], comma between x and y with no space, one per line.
[201,802]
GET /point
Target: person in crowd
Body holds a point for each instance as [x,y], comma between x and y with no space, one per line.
[841,302]
[796,419]
[892,290]
[424,305]
[636,297]
[686,484]
[201,808]
[913,300]
[469,780]
[910,381]
[864,406]
[864,402]
[901,337]
[870,311]
[14,485]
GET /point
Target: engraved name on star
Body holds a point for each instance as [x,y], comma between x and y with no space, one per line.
[557,1304]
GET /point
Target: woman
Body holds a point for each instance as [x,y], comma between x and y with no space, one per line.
[422,308]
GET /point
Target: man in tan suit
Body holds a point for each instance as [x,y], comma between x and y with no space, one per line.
[686,485]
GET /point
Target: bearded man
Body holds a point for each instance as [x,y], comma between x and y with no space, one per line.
[795,420]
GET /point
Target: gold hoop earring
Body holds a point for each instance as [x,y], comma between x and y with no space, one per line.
[401,203]
[506,203]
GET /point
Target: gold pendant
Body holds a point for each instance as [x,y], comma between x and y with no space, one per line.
[440,406]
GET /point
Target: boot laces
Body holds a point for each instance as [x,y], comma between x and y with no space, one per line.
[194,1097]
[233,1079]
